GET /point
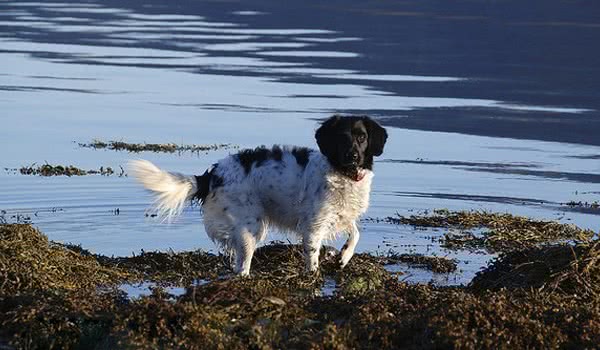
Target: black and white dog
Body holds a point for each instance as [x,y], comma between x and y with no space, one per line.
[313,194]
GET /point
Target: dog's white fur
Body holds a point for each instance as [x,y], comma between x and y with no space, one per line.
[172,190]
[314,194]
[316,202]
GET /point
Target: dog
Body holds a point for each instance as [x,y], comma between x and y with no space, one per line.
[313,194]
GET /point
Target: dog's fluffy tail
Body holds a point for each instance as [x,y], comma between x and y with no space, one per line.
[171,190]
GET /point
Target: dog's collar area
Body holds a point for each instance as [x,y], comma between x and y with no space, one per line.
[360,174]
[355,175]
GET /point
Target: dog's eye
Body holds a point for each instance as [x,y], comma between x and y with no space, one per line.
[361,138]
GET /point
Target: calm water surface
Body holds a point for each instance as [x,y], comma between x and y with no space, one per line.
[489,107]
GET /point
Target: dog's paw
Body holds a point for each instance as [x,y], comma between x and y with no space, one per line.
[311,268]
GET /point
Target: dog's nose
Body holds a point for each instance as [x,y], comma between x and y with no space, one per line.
[352,157]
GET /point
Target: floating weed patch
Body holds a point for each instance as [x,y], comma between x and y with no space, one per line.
[27,216]
[155,147]
[57,296]
[584,207]
[16,218]
[433,263]
[66,170]
[580,204]
[500,231]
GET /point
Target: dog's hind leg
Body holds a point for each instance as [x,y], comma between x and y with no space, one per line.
[348,248]
[237,224]
[244,241]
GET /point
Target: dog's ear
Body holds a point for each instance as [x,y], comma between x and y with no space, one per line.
[377,136]
[325,136]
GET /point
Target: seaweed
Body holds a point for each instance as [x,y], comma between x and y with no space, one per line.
[580,204]
[501,231]
[155,147]
[433,263]
[63,296]
[170,268]
[583,207]
[566,269]
[66,170]
[48,294]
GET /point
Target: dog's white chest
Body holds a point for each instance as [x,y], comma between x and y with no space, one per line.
[349,199]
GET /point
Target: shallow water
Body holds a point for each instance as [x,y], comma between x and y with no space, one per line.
[138,290]
[251,74]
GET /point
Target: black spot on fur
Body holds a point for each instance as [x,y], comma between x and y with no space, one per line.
[248,157]
[203,184]
[216,181]
[345,247]
[301,154]
[225,209]
[276,153]
[258,156]
[207,182]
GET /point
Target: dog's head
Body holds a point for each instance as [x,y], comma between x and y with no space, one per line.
[350,143]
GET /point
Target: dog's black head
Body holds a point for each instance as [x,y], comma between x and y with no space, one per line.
[350,143]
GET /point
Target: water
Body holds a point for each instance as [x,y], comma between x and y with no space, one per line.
[488,106]
[134,291]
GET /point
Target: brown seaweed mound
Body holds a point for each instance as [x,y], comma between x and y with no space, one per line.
[56,296]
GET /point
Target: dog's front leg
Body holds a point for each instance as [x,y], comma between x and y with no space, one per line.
[312,241]
[348,248]
[244,244]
